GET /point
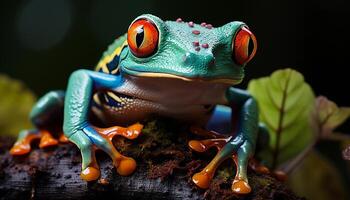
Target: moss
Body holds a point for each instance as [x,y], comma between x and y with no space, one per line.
[226,171]
[163,146]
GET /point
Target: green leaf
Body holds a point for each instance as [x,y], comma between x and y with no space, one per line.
[317,179]
[286,103]
[330,116]
[16,102]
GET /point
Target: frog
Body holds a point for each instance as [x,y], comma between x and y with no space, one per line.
[177,69]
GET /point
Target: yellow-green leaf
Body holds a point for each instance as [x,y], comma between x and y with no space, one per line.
[15,104]
[330,116]
[286,103]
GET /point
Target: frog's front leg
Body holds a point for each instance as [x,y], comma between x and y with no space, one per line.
[81,86]
[240,146]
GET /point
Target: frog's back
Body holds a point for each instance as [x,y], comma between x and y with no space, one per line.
[110,58]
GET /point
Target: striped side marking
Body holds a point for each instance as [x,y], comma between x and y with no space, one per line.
[108,64]
[112,99]
[114,96]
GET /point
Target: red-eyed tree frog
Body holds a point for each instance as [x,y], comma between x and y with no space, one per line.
[176,69]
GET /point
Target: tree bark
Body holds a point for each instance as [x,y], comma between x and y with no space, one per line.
[163,172]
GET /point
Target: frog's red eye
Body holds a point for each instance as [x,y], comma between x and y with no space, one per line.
[243,46]
[143,38]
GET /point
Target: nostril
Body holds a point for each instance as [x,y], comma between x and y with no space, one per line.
[185,57]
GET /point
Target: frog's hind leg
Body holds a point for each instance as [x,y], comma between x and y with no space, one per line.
[233,146]
[242,158]
[46,113]
[225,146]
[22,145]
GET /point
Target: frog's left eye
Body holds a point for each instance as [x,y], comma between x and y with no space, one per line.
[243,46]
[143,38]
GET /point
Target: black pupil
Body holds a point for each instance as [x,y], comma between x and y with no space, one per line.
[139,36]
[250,46]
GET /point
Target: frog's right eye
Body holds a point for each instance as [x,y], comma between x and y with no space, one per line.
[243,46]
[143,38]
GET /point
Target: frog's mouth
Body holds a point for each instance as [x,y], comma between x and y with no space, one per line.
[230,81]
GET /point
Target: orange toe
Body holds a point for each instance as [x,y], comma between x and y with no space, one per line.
[262,170]
[90,174]
[241,187]
[126,166]
[202,179]
[63,139]
[47,140]
[20,149]
[134,131]
[280,175]
[197,146]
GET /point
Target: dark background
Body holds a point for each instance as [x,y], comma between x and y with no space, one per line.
[43,41]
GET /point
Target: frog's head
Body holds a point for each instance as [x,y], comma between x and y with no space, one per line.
[187,51]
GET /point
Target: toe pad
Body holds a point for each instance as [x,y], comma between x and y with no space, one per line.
[90,174]
[202,180]
[241,187]
[126,166]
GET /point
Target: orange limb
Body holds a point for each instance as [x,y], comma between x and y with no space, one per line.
[130,132]
[261,169]
[241,187]
[240,184]
[205,133]
[203,178]
[47,140]
[204,145]
[22,146]
[258,167]
[280,175]
[92,172]
[124,165]
[63,139]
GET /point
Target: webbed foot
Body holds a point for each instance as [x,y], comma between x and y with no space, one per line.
[26,137]
[91,139]
[236,148]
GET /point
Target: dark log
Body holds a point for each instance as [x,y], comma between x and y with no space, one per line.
[162,173]
[55,175]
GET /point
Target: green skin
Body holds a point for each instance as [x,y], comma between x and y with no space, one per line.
[175,63]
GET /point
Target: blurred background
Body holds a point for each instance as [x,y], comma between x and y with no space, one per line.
[42,42]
